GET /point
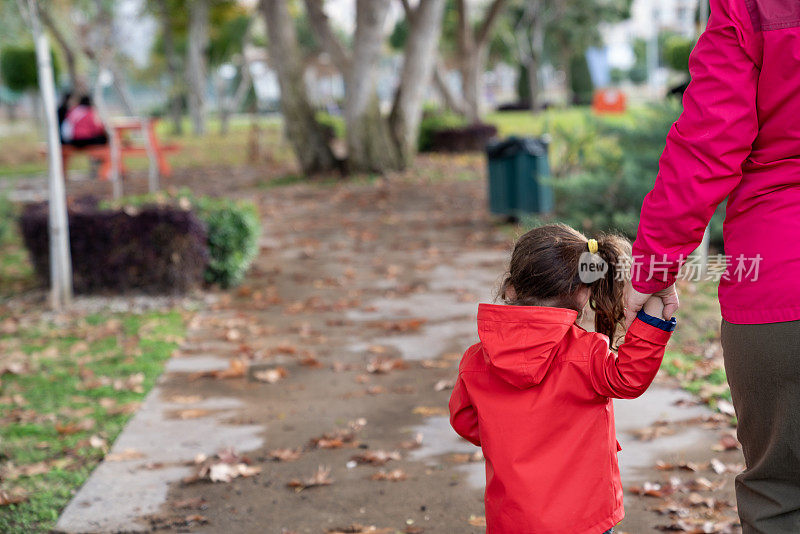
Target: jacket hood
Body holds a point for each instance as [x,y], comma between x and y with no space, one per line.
[521,341]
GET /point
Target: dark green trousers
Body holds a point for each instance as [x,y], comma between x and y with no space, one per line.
[762,363]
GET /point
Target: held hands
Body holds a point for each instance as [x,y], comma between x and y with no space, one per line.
[654,307]
[634,302]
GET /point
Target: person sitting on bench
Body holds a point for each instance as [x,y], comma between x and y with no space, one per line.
[82,126]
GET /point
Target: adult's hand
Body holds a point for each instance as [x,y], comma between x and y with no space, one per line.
[634,302]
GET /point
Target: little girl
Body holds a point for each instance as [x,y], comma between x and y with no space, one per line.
[535,393]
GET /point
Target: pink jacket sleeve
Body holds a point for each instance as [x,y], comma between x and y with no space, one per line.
[706,147]
[463,416]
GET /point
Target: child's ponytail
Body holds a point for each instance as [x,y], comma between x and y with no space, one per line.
[608,293]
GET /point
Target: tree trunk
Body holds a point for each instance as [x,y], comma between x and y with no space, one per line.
[471,68]
[78,83]
[538,28]
[302,129]
[451,102]
[196,63]
[472,50]
[425,24]
[176,90]
[369,144]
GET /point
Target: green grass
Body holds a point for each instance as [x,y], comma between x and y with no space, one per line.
[21,152]
[52,392]
[21,156]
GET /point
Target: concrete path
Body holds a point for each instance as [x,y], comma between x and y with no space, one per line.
[346,275]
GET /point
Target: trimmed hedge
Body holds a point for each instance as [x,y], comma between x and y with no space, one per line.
[433,122]
[155,249]
[471,138]
[233,228]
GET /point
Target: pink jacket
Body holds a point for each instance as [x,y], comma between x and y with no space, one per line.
[738,138]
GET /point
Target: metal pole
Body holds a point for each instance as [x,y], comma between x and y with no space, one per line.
[60,260]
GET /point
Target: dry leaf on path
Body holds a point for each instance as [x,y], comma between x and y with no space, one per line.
[477,520]
[127,454]
[271,376]
[226,465]
[320,478]
[237,368]
[378,457]
[383,365]
[395,475]
[430,411]
[284,455]
[727,442]
[355,528]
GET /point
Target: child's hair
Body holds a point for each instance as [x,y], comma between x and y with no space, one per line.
[544,271]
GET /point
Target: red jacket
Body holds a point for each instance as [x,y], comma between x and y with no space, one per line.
[737,138]
[534,394]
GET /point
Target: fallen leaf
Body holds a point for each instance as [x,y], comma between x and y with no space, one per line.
[237,368]
[412,443]
[727,442]
[477,520]
[394,475]
[284,455]
[726,408]
[185,399]
[320,478]
[355,528]
[444,384]
[12,497]
[271,376]
[226,465]
[383,365]
[430,411]
[378,457]
[127,454]
[192,413]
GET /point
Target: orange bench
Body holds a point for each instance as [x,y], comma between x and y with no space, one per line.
[118,128]
[102,153]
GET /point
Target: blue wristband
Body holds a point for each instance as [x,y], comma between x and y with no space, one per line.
[667,326]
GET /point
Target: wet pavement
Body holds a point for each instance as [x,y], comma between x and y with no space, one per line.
[392,271]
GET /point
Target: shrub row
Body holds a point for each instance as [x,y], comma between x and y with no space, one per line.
[471,138]
[157,249]
[233,228]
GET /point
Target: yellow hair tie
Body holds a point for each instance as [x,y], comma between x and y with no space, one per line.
[592,246]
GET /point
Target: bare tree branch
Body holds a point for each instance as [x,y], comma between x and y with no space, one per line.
[410,12]
[322,28]
[489,19]
[450,101]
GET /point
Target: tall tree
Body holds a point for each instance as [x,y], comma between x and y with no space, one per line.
[302,129]
[375,143]
[470,53]
[574,26]
[422,38]
[173,63]
[196,66]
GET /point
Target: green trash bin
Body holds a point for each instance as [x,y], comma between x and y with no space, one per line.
[517,167]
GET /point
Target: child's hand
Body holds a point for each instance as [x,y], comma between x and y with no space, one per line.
[654,307]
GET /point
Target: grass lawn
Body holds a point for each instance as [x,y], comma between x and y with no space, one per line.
[68,385]
[20,155]
[21,152]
